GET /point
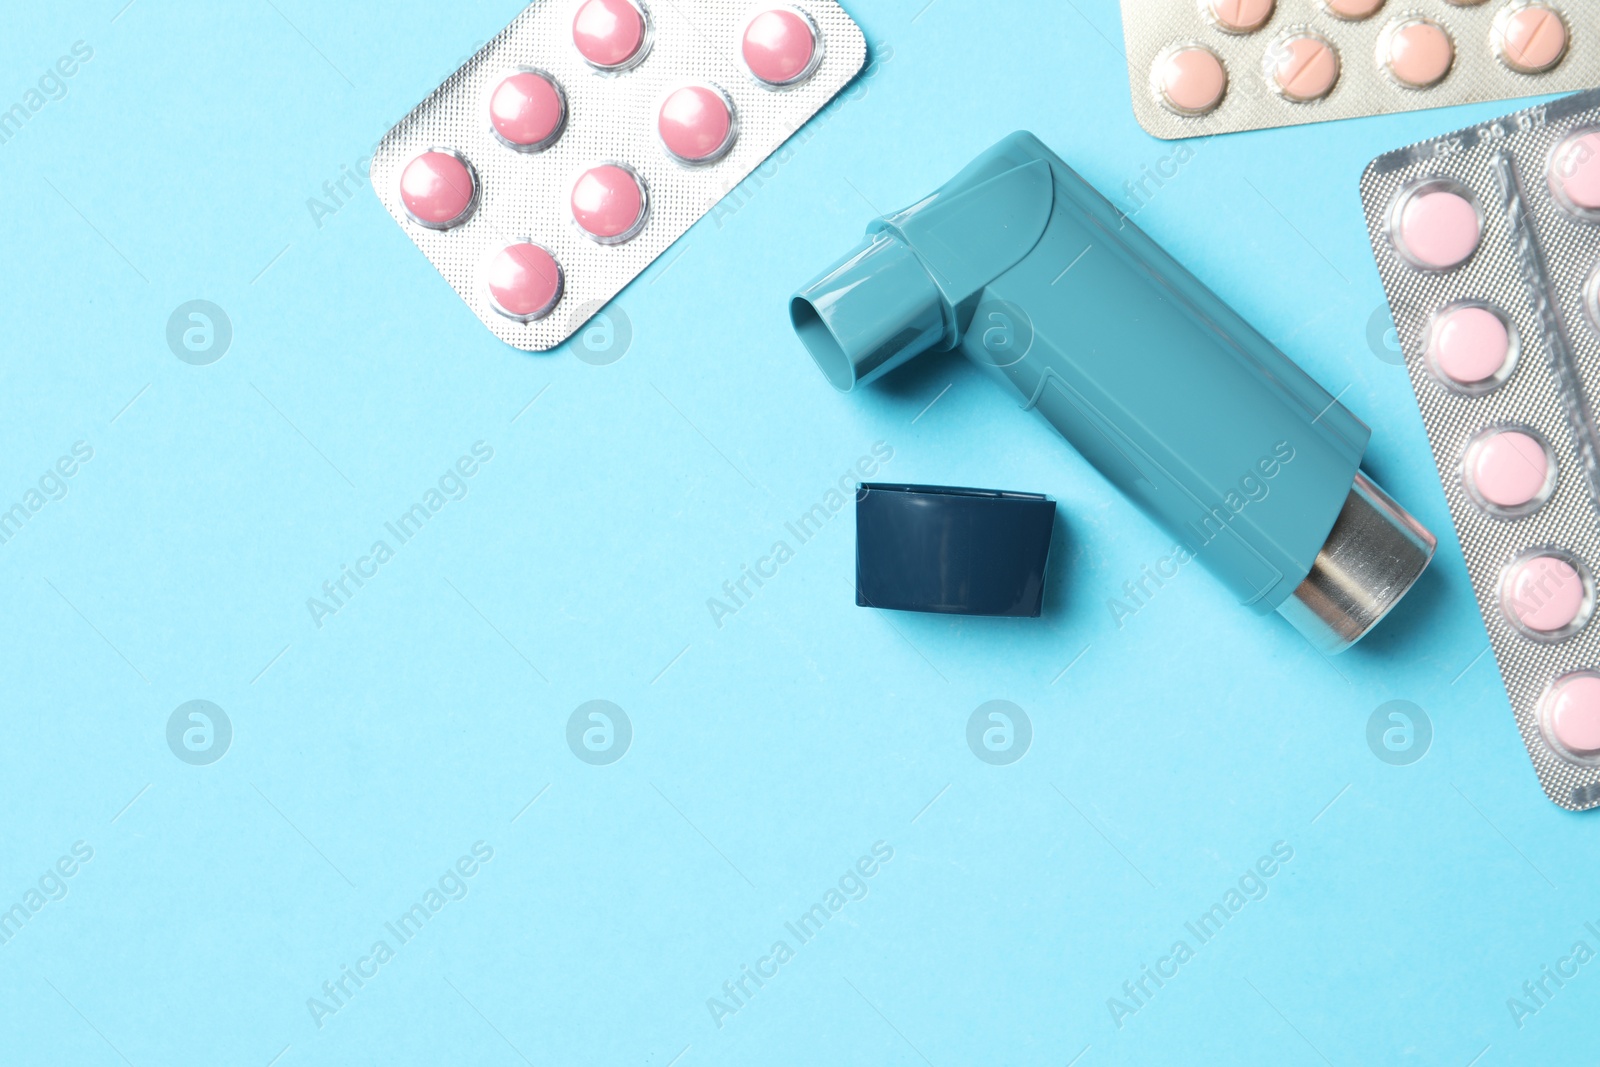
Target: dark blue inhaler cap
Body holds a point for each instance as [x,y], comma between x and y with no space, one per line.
[956,551]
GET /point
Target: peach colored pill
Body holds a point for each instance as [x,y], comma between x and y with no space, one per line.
[1544,593]
[1508,469]
[527,110]
[608,33]
[438,189]
[1191,79]
[1241,16]
[1418,53]
[1574,713]
[1303,68]
[780,46]
[1352,10]
[1532,39]
[696,124]
[1575,171]
[1469,344]
[608,202]
[1438,229]
[524,281]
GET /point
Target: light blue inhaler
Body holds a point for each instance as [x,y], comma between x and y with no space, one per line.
[1232,449]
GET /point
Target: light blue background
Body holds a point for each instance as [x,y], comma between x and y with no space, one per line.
[769,754]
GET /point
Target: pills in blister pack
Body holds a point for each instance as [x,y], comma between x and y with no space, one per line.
[1199,67]
[528,110]
[1508,471]
[1470,347]
[696,124]
[611,35]
[564,157]
[1488,243]
[439,189]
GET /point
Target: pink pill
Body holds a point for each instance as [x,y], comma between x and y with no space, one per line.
[439,189]
[527,110]
[525,281]
[1240,16]
[1575,171]
[1418,53]
[1191,79]
[1531,38]
[610,34]
[1469,344]
[1572,709]
[696,124]
[1437,229]
[1545,594]
[609,203]
[1508,469]
[780,46]
[1303,67]
[1352,10]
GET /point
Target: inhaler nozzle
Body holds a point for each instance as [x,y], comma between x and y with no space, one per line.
[869,313]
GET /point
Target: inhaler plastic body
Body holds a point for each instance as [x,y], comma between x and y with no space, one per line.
[1205,425]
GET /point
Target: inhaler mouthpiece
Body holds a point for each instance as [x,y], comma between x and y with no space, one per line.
[875,309]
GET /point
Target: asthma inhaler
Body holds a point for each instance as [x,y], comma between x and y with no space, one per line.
[1251,466]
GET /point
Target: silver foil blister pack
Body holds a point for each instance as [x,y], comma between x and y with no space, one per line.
[516,251]
[1198,67]
[1488,244]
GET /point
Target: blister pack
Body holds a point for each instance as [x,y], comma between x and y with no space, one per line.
[1200,67]
[583,140]
[1488,243]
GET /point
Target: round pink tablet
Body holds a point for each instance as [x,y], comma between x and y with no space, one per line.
[1575,171]
[1573,708]
[1303,67]
[609,33]
[1469,344]
[1508,469]
[1418,53]
[609,203]
[527,110]
[1544,594]
[525,281]
[1531,39]
[1352,10]
[1191,79]
[438,189]
[1240,16]
[780,46]
[696,124]
[1437,229]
